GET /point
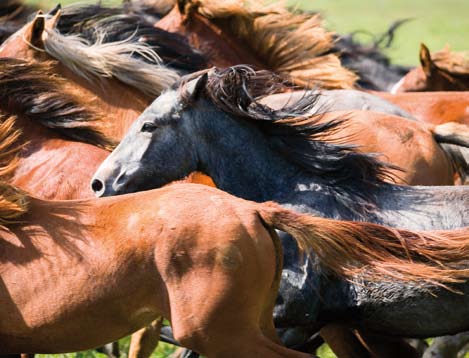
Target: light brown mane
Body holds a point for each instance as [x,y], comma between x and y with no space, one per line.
[456,63]
[361,250]
[13,202]
[295,45]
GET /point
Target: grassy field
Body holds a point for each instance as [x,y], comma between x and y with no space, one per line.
[435,22]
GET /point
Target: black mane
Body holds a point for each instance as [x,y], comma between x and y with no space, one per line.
[119,24]
[32,89]
[295,132]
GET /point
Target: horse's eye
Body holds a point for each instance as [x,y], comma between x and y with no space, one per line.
[148,127]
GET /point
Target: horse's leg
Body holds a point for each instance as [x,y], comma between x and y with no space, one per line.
[343,342]
[144,341]
[387,347]
[240,275]
[110,349]
[447,346]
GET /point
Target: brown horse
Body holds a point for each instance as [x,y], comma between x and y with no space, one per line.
[410,145]
[271,37]
[442,71]
[433,107]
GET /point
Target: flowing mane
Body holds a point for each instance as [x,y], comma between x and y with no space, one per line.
[295,132]
[457,63]
[116,24]
[34,90]
[13,202]
[368,251]
[97,60]
[288,43]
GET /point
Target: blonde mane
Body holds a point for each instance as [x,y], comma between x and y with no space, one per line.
[454,62]
[13,202]
[295,45]
[113,59]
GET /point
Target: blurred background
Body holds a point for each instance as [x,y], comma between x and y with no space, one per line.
[435,22]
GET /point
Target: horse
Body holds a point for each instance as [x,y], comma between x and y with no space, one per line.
[442,71]
[62,42]
[268,37]
[210,123]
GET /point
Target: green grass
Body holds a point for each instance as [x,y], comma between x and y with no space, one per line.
[435,22]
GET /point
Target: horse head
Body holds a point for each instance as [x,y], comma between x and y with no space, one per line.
[430,76]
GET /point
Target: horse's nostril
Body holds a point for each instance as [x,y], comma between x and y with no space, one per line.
[97,185]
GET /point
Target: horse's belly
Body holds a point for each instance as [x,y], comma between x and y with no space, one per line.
[410,311]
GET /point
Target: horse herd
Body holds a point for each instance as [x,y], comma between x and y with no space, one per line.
[300,200]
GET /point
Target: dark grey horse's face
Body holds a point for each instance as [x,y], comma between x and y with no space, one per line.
[156,150]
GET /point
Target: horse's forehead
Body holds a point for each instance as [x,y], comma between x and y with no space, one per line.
[165,104]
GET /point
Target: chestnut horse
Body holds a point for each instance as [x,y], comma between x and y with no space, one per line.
[269,37]
[442,71]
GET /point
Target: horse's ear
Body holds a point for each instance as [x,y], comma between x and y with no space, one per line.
[195,87]
[426,60]
[52,22]
[54,10]
[33,33]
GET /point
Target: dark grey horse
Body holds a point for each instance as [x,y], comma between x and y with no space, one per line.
[212,124]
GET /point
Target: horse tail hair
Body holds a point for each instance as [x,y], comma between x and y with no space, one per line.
[374,252]
[454,140]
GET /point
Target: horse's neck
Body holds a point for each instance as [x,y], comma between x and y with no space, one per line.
[219,46]
[116,104]
[52,167]
[238,157]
